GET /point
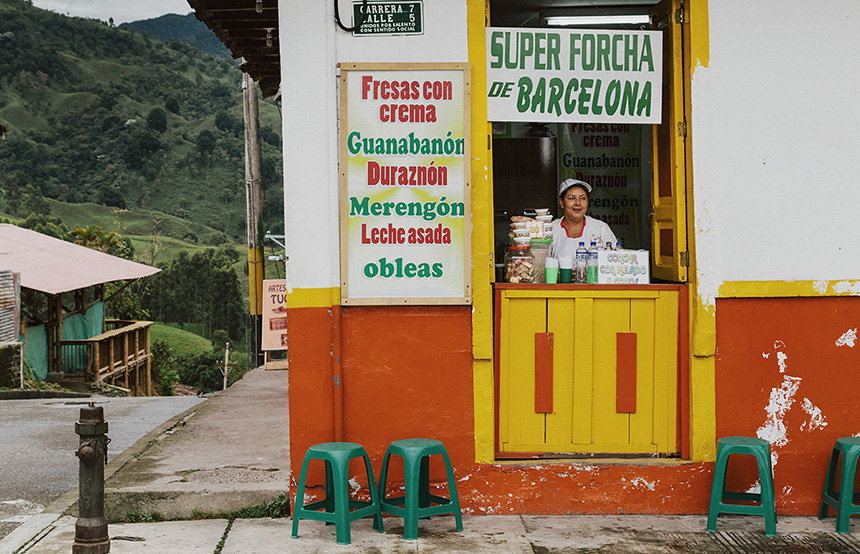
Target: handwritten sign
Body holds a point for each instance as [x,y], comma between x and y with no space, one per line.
[623,267]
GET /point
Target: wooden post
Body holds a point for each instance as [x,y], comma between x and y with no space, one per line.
[149,390]
[254,205]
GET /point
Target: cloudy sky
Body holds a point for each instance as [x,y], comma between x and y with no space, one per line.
[122,11]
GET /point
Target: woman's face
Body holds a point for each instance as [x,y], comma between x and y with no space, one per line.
[574,203]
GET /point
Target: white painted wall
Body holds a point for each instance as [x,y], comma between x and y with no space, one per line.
[776,141]
[311,47]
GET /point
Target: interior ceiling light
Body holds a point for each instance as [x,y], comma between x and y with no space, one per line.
[259,6]
[580,20]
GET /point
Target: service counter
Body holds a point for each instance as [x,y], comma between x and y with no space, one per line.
[591,371]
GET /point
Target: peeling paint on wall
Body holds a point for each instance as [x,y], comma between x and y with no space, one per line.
[816,419]
[820,286]
[848,338]
[781,400]
[847,287]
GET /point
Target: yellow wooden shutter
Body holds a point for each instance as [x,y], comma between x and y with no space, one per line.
[668,192]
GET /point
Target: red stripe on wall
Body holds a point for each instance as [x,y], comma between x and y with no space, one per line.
[625,373]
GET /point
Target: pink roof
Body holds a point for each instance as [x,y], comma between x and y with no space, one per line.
[53,266]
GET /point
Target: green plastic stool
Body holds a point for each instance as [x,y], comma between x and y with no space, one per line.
[338,508]
[417,503]
[844,500]
[767,498]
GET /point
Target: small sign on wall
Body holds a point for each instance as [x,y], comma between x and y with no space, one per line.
[623,267]
[274,333]
[398,17]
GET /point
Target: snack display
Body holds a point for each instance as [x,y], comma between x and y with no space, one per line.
[519,265]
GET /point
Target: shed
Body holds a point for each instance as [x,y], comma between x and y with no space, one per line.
[64,328]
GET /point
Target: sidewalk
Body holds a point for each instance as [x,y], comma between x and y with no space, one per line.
[230,452]
[481,534]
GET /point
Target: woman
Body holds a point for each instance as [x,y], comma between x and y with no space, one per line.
[574,226]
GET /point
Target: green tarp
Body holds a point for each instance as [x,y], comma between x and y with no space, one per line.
[75,327]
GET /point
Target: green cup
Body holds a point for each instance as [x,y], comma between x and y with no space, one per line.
[551,275]
[565,274]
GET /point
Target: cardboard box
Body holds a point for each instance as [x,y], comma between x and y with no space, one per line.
[623,267]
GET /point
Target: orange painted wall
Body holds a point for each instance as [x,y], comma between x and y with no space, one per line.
[779,361]
[407,372]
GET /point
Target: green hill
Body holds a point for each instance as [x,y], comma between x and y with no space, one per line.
[180,341]
[103,115]
[186,28]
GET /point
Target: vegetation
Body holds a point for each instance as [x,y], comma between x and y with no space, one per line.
[134,146]
[108,116]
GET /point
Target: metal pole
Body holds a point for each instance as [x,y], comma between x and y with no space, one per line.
[91,528]
[226,359]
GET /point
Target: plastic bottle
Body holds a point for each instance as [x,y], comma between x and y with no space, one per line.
[592,264]
[618,246]
[581,264]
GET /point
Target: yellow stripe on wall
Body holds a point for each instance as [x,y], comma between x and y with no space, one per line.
[784,289]
[313,298]
[482,239]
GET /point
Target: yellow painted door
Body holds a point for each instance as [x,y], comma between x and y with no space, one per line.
[668,191]
[585,329]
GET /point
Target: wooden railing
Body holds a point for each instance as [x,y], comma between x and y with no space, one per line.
[119,356]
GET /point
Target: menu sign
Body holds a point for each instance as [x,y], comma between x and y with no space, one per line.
[405,199]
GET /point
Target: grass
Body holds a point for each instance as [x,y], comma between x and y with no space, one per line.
[181,341]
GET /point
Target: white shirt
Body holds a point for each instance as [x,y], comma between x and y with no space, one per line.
[593,230]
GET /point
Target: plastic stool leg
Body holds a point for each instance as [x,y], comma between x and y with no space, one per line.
[424,483]
[300,497]
[341,501]
[828,482]
[374,496]
[717,490]
[846,492]
[768,495]
[452,491]
[411,470]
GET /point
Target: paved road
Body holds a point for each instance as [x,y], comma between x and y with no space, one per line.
[38,441]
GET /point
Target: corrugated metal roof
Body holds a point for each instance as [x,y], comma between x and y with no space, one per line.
[9,305]
[53,266]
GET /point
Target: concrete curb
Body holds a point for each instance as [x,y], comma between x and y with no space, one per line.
[18,394]
[66,503]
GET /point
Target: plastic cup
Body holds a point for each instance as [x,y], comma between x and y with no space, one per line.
[551,275]
[565,275]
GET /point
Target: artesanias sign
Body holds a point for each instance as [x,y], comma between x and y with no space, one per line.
[404,167]
[579,76]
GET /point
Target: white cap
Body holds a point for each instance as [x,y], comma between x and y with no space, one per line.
[567,183]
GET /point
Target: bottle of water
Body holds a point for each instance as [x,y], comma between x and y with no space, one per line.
[592,264]
[619,246]
[581,264]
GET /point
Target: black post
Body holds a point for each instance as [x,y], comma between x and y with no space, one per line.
[91,529]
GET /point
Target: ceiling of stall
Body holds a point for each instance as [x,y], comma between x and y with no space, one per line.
[530,13]
[249,28]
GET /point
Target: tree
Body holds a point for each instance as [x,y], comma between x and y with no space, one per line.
[109,243]
[157,120]
[36,202]
[202,288]
[206,141]
[172,105]
[13,195]
[227,123]
[47,225]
